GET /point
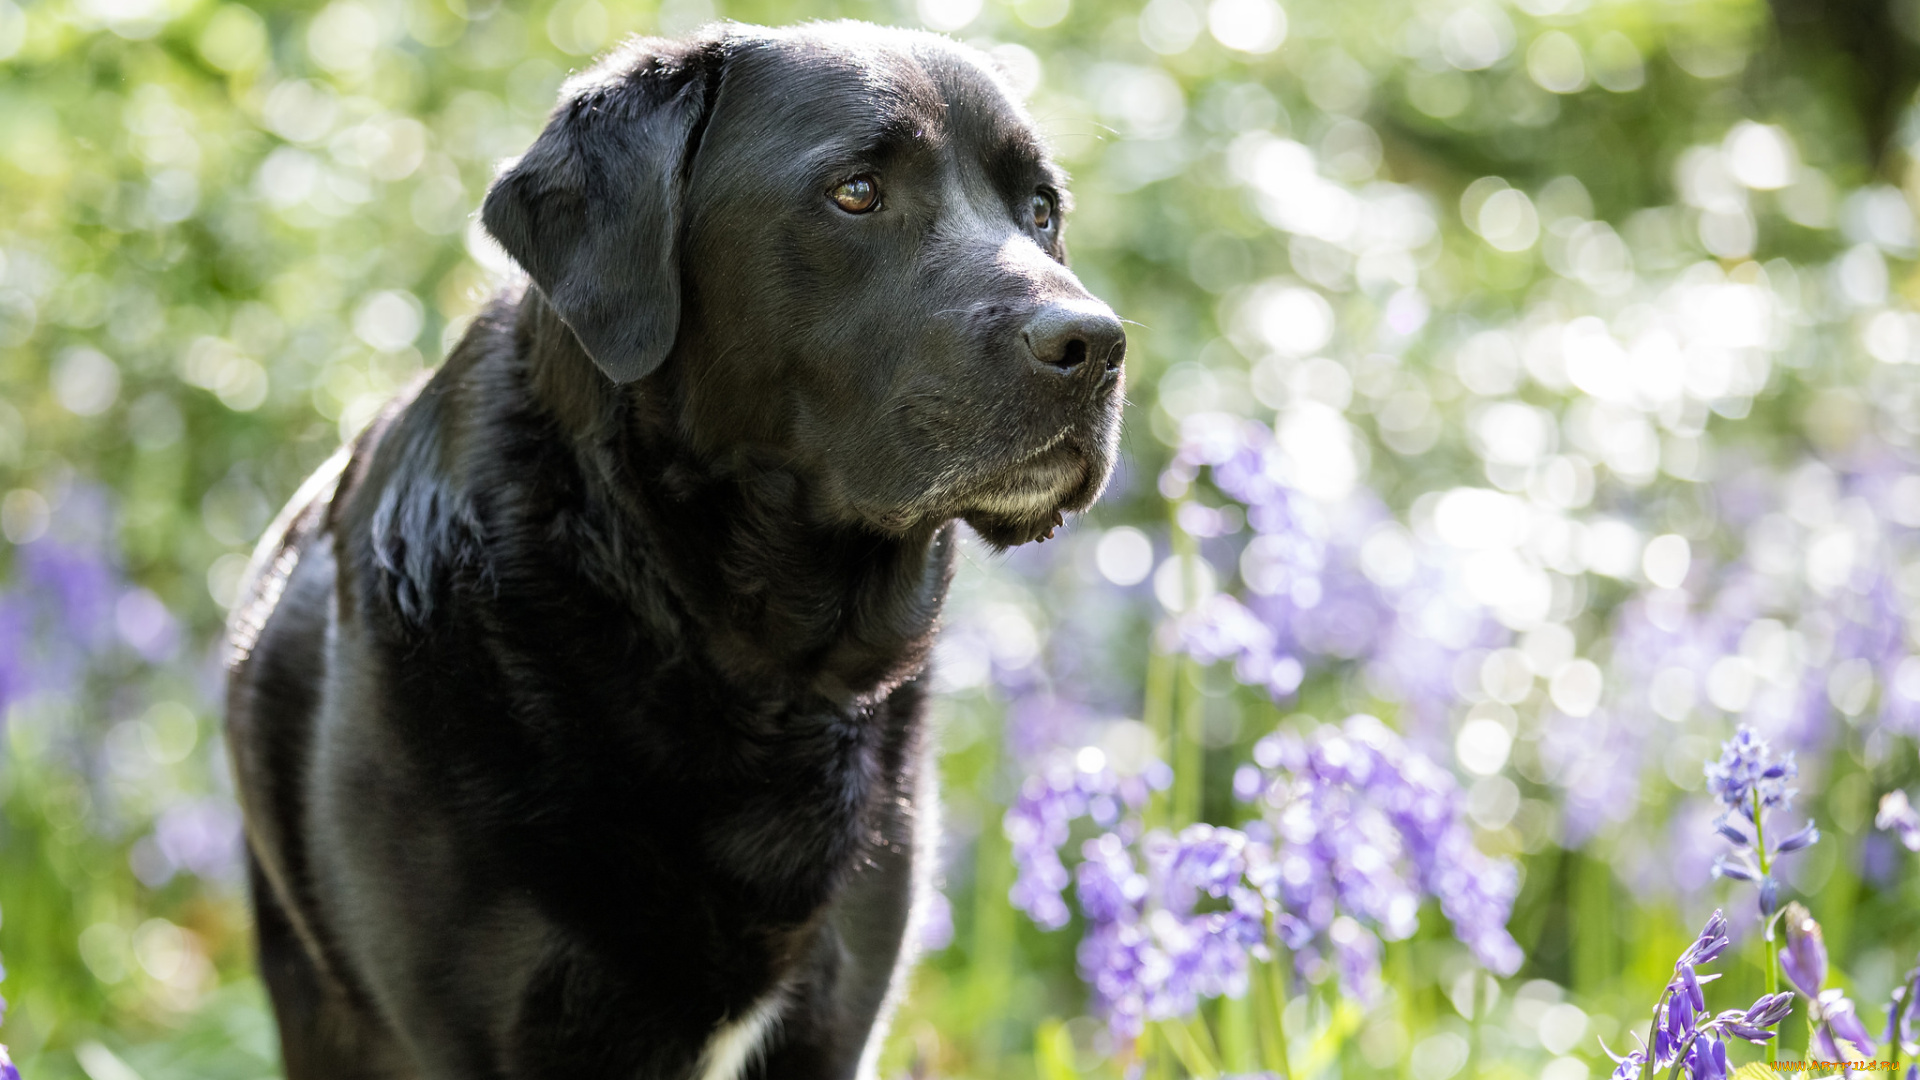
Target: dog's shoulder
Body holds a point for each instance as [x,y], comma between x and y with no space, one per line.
[409,527]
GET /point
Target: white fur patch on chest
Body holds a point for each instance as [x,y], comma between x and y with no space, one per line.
[737,1042]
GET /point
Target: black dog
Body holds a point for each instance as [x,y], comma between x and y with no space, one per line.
[577,712]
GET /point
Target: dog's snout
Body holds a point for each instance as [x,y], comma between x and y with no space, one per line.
[1071,336]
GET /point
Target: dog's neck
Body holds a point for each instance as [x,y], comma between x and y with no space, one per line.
[774,593]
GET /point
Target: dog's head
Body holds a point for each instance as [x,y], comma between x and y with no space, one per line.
[846,243]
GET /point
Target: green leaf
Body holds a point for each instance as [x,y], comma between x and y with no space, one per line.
[1326,1044]
[1755,1070]
[1053,1049]
[1188,1049]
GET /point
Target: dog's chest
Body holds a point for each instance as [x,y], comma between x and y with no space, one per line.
[735,1045]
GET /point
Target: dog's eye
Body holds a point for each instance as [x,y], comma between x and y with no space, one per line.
[858,195]
[1042,211]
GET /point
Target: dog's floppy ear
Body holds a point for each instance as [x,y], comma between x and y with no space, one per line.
[592,211]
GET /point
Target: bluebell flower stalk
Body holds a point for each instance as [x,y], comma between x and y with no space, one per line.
[1685,1039]
[1749,781]
[1189,758]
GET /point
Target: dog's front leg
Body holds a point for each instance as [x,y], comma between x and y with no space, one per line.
[841,1001]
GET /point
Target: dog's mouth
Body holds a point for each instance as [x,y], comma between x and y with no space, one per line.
[1051,444]
[1031,496]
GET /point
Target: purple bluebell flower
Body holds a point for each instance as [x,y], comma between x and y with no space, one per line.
[1835,1020]
[1749,782]
[1805,958]
[1736,869]
[1365,826]
[1685,1001]
[1038,824]
[1106,883]
[1707,1058]
[1149,954]
[1356,955]
[146,626]
[1208,950]
[1747,765]
[1040,723]
[1354,831]
[79,582]
[1755,1023]
[1712,941]
[1282,562]
[1118,963]
[1204,860]
[1150,951]
[1628,1066]
[57,615]
[1806,836]
[1684,1034]
[15,633]
[201,836]
[1307,597]
[1829,1011]
[1221,628]
[1898,816]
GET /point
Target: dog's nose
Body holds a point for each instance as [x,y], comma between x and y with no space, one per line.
[1075,335]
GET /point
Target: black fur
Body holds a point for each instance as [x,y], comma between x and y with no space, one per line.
[577,711]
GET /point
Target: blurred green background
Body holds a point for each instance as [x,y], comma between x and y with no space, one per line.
[1628,268]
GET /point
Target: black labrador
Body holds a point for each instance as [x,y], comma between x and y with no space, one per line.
[577,709]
